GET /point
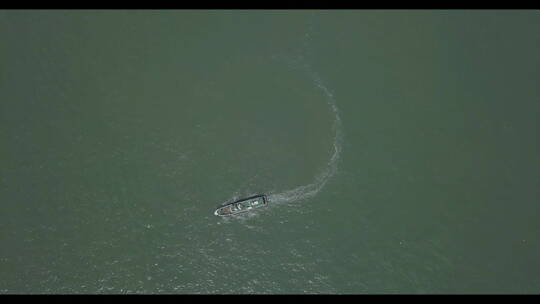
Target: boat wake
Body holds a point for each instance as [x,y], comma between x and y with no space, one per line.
[299,61]
[310,190]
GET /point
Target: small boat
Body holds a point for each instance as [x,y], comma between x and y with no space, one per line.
[242,205]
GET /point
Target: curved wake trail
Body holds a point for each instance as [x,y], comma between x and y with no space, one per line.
[310,190]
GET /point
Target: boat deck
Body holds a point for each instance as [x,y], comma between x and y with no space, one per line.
[242,205]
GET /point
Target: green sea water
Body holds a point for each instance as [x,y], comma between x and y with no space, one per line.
[400,151]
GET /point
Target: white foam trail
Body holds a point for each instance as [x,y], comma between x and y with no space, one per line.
[310,190]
